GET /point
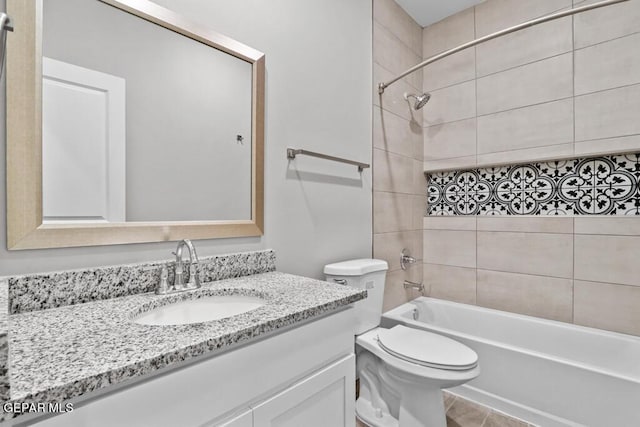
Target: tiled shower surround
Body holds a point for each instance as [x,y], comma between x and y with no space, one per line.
[606,185]
[557,240]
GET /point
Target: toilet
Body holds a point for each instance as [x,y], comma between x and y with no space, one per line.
[402,370]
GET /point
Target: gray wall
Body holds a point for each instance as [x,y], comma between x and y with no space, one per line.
[319,95]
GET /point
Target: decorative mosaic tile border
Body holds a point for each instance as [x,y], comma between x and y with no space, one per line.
[49,290]
[607,185]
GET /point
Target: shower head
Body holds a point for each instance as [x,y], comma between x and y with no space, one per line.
[421,100]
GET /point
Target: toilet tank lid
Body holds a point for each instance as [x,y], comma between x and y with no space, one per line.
[356,267]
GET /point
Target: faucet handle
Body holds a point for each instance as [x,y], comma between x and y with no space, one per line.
[194,276]
[163,285]
[405,259]
[178,278]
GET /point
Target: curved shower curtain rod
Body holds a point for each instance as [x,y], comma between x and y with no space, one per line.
[382,86]
[5,25]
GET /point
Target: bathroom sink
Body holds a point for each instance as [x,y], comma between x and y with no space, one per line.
[200,310]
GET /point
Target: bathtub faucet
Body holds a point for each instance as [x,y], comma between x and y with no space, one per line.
[405,259]
[413,285]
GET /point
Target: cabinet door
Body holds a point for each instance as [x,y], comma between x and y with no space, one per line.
[326,398]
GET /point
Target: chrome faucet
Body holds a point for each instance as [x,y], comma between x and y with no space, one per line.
[178,283]
[194,278]
[413,285]
[405,259]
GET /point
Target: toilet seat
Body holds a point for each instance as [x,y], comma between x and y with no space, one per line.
[426,349]
[392,386]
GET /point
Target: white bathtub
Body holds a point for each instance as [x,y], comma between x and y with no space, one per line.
[544,372]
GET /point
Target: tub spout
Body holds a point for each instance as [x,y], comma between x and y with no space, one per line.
[413,285]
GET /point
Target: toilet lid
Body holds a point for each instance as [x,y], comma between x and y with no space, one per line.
[426,348]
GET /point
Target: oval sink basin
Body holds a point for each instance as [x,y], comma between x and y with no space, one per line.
[200,310]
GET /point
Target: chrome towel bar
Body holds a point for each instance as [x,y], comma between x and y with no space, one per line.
[292,153]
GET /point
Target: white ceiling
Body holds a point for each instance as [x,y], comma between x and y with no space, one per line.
[426,12]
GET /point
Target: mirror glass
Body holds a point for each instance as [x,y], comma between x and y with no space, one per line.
[140,123]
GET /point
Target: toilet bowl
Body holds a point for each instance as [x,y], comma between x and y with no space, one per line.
[402,371]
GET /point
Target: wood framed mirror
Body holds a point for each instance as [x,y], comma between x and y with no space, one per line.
[59,194]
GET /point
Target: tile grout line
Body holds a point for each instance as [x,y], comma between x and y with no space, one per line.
[385,68]
[476,266]
[465,168]
[373,111]
[634,33]
[478,77]
[610,137]
[511,109]
[525,64]
[475,72]
[573,222]
[572,51]
[395,154]
[391,112]
[512,163]
[534,104]
[594,234]
[624,86]
[573,79]
[516,273]
[396,36]
[486,416]
[573,276]
[532,274]
[475,66]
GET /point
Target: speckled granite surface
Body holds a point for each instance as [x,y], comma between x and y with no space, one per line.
[65,352]
[49,290]
[4,344]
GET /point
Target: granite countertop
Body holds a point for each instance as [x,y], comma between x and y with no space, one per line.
[62,353]
[4,307]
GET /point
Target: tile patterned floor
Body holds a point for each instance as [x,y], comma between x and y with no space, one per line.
[464,413]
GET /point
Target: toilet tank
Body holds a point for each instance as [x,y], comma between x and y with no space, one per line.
[368,274]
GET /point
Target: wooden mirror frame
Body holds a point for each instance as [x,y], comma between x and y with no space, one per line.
[25,229]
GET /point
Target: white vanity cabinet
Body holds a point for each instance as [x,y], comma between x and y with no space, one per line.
[323,399]
[320,400]
[304,376]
